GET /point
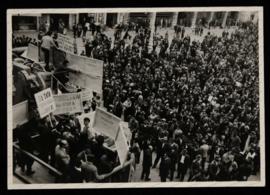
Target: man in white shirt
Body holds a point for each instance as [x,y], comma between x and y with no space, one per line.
[47,43]
[204,148]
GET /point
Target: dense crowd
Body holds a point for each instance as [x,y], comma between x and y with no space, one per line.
[196,103]
[193,104]
[22,41]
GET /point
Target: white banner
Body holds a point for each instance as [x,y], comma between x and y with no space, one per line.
[45,102]
[31,53]
[106,123]
[87,81]
[68,103]
[85,64]
[87,95]
[20,113]
[126,130]
[66,43]
[121,146]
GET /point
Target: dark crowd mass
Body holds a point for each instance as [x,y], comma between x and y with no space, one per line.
[192,106]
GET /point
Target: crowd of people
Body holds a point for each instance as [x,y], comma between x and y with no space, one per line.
[22,41]
[192,105]
[195,103]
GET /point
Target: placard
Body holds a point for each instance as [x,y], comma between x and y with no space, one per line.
[45,102]
[66,43]
[68,103]
[20,113]
[87,95]
[106,123]
[86,80]
[86,64]
[121,146]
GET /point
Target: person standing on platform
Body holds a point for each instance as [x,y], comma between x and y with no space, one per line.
[46,44]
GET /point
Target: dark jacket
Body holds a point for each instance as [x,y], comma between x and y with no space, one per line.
[164,166]
[147,158]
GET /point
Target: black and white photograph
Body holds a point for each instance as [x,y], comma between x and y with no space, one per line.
[135,97]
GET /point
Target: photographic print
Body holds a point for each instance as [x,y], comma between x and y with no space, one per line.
[135,97]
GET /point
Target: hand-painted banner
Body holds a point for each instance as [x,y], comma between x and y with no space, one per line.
[45,102]
[68,103]
[87,95]
[106,123]
[66,43]
[86,81]
[86,64]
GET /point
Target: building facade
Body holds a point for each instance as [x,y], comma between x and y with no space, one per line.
[162,19]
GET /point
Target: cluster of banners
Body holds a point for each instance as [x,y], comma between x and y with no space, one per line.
[110,125]
[87,72]
[67,103]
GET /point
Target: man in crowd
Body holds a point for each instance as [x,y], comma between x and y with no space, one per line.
[47,43]
[147,162]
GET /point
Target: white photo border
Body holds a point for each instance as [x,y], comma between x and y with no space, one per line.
[260,183]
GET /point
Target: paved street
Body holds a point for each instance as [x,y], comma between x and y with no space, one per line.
[110,33]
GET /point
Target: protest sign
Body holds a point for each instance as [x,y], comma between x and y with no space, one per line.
[106,123]
[45,102]
[87,95]
[121,146]
[126,130]
[86,64]
[86,80]
[66,43]
[20,113]
[68,103]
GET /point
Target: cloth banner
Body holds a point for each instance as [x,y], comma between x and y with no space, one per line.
[106,123]
[85,64]
[66,43]
[126,130]
[20,113]
[31,53]
[68,103]
[45,102]
[122,146]
[87,95]
[86,80]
